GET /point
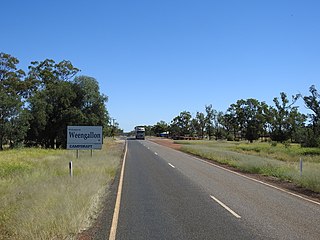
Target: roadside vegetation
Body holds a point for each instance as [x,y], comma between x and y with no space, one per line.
[269,159]
[38,198]
[36,107]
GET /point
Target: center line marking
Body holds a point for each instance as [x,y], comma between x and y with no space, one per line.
[171,165]
[225,207]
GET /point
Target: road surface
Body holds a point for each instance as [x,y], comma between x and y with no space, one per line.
[167,194]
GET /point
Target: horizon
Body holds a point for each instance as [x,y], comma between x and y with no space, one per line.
[156,59]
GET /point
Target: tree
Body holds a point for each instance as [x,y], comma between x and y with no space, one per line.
[284,118]
[217,124]
[297,125]
[312,102]
[59,102]
[52,104]
[90,101]
[149,130]
[230,124]
[180,125]
[201,124]
[13,92]
[160,127]
[249,118]
[208,120]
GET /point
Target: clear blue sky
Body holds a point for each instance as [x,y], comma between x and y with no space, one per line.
[154,59]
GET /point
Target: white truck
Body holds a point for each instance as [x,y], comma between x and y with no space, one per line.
[140,132]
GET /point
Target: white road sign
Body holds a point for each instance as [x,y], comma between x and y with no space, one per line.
[84,137]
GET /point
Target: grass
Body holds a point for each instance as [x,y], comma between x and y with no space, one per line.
[277,160]
[38,198]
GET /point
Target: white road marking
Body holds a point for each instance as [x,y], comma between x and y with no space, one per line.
[258,181]
[171,165]
[225,207]
[255,180]
[114,225]
[156,153]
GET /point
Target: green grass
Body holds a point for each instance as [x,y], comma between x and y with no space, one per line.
[281,161]
[38,198]
[283,152]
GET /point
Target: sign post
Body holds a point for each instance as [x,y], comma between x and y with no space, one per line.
[84,137]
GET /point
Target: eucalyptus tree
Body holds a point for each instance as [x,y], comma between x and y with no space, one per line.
[51,106]
[90,101]
[160,127]
[201,124]
[13,94]
[312,102]
[181,124]
[285,118]
[247,117]
[210,113]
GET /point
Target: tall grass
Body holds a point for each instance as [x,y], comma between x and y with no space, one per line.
[38,198]
[278,161]
[283,152]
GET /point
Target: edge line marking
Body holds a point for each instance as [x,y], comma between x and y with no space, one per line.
[258,181]
[114,225]
[171,165]
[249,178]
[226,207]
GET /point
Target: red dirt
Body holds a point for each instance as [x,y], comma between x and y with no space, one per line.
[167,142]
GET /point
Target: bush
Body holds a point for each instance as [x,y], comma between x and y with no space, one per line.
[274,144]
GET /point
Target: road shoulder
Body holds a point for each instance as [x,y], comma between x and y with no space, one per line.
[286,185]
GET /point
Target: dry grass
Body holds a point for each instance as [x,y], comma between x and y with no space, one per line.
[38,198]
[278,161]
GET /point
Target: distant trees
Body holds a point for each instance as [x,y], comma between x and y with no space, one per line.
[312,102]
[251,119]
[36,109]
[160,127]
[181,125]
[285,120]
[247,118]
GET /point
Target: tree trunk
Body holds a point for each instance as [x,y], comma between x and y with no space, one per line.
[1,141]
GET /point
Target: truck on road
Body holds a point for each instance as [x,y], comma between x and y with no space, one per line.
[140,132]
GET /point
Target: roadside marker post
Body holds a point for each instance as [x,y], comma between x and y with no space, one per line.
[70,169]
[301,166]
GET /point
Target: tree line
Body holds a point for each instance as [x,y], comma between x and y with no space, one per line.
[37,106]
[251,120]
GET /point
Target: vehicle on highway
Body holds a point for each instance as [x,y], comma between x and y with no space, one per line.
[140,132]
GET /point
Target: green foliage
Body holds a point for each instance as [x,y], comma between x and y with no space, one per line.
[160,127]
[13,89]
[247,117]
[312,102]
[59,102]
[36,110]
[181,125]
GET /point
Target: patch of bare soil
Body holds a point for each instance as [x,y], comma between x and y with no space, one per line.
[166,142]
[271,180]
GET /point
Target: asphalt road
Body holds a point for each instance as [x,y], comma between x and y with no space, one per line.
[170,195]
